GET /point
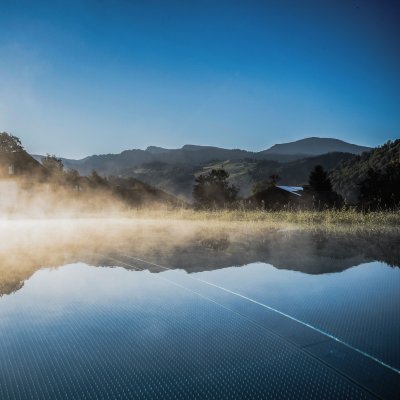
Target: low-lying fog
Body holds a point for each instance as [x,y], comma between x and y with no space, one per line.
[28,245]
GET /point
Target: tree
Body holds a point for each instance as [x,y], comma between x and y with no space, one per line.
[260,186]
[319,180]
[213,189]
[381,189]
[53,165]
[10,143]
[322,194]
[73,178]
[96,180]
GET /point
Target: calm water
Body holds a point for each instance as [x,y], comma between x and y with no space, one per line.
[321,325]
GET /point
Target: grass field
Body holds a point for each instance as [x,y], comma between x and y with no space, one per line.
[347,219]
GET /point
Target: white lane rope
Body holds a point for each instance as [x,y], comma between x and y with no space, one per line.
[322,332]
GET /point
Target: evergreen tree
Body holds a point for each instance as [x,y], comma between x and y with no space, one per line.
[381,189]
[319,180]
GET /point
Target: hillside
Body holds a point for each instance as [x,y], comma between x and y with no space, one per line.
[245,174]
[348,175]
[45,187]
[179,178]
[137,193]
[194,155]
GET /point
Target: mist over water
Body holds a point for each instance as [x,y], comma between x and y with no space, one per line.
[119,301]
[30,244]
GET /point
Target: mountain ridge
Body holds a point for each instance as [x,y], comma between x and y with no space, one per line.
[199,154]
[174,170]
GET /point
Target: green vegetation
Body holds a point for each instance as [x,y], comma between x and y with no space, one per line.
[47,185]
[212,190]
[379,188]
[319,180]
[261,186]
[349,175]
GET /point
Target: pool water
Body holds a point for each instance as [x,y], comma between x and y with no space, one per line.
[130,327]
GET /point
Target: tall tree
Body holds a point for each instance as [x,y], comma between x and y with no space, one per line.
[53,165]
[381,189]
[319,180]
[213,189]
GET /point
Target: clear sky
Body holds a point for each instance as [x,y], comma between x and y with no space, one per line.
[84,77]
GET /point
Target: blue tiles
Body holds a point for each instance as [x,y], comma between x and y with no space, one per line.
[82,332]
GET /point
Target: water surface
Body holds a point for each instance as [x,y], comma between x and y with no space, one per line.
[282,315]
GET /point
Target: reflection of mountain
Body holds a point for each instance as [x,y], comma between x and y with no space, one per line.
[189,246]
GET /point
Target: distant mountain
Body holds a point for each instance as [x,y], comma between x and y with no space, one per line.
[296,173]
[315,146]
[197,156]
[179,179]
[349,174]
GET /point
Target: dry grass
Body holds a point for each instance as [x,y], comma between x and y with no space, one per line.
[348,219]
[345,219]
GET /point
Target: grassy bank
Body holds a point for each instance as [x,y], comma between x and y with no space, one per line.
[345,219]
[305,219]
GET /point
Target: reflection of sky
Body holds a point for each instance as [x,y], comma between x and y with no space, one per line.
[359,305]
[131,329]
[55,290]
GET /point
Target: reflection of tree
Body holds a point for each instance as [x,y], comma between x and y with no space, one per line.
[190,247]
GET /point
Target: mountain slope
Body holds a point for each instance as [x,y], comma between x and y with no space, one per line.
[180,178]
[245,174]
[194,155]
[348,175]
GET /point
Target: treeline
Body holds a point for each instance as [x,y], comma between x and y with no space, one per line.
[50,179]
[354,178]
[374,176]
[213,190]
[369,182]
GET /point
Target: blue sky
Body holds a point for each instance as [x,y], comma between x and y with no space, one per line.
[84,77]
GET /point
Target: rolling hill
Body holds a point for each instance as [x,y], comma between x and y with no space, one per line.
[180,178]
[174,170]
[194,155]
[349,174]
